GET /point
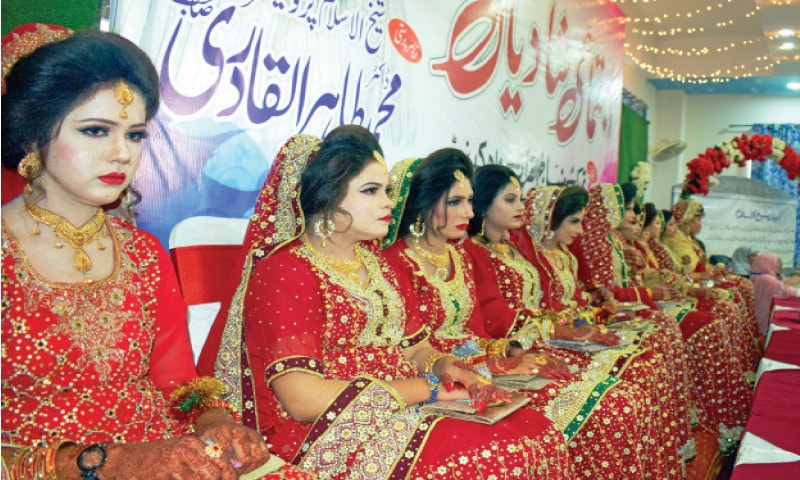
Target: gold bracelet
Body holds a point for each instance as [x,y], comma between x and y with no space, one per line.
[430,362]
[498,348]
[34,462]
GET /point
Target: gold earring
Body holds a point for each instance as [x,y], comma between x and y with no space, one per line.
[417,229]
[483,228]
[30,166]
[324,228]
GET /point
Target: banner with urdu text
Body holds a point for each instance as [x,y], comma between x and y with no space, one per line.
[535,86]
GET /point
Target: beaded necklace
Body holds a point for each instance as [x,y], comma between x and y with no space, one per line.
[77,238]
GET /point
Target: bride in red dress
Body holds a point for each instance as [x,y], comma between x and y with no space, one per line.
[337,356]
[94,334]
[720,391]
[690,258]
[609,424]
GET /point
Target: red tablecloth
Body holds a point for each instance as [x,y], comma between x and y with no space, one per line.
[784,346]
[786,312]
[786,302]
[762,471]
[775,416]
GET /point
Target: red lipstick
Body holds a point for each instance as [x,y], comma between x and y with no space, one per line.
[387,218]
[114,178]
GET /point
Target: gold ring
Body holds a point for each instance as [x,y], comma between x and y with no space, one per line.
[482,379]
[602,328]
[540,360]
[213,450]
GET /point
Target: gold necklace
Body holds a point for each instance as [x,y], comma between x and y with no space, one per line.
[345,267]
[557,256]
[440,261]
[77,238]
[500,247]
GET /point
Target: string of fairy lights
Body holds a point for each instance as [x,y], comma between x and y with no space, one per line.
[656,27]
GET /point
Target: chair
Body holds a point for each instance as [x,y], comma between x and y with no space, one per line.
[204,250]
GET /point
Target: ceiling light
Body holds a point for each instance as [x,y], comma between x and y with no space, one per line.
[793,85]
[787,46]
[786,32]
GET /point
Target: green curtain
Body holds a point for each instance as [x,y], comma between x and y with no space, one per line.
[632,142]
[73,14]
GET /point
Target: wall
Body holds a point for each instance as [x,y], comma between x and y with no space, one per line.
[702,121]
[74,14]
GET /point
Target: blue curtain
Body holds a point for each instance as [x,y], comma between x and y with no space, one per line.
[772,174]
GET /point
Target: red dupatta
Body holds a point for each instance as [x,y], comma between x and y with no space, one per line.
[277,220]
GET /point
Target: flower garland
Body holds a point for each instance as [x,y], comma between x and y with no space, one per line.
[738,150]
[640,176]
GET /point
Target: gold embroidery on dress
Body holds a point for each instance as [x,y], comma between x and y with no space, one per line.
[383,305]
[90,315]
[454,295]
[566,276]
[620,275]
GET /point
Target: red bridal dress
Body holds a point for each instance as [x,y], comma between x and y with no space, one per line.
[293,311]
[609,424]
[92,362]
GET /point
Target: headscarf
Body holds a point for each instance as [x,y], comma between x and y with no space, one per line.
[278,219]
[25,38]
[660,251]
[767,285]
[400,178]
[605,210]
[741,264]
[540,202]
[685,211]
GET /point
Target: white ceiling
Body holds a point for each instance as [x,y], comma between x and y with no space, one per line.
[715,46]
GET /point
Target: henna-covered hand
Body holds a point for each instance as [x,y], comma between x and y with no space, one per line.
[530,363]
[180,458]
[594,333]
[664,292]
[481,390]
[244,446]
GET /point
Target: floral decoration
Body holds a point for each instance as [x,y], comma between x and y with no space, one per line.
[640,176]
[739,150]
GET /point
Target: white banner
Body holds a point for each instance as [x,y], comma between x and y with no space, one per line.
[535,85]
[733,220]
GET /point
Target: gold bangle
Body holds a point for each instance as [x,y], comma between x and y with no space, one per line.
[430,362]
[498,348]
[34,462]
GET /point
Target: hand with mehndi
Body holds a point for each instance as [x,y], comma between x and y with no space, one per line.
[664,292]
[529,363]
[593,333]
[179,458]
[481,390]
[244,446]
